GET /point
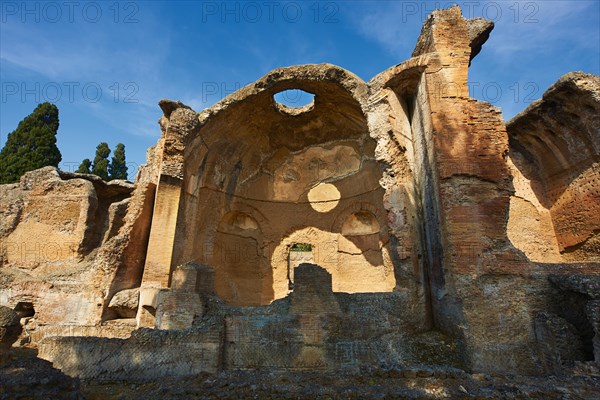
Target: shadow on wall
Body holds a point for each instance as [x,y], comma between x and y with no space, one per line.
[247,273]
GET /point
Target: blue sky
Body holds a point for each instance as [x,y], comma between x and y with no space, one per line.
[107,64]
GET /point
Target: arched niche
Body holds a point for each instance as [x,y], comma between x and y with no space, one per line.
[240,276]
[360,223]
[238,223]
[360,242]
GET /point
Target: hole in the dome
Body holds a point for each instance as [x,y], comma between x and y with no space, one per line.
[294,98]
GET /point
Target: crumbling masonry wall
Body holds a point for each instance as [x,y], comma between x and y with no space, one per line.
[311,329]
[249,178]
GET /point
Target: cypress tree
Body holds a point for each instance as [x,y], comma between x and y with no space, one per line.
[118,167]
[84,167]
[100,167]
[32,145]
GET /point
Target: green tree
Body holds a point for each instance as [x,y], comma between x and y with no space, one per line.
[100,167]
[32,145]
[118,167]
[84,167]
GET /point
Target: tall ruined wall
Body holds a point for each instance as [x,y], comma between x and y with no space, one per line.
[482,288]
[465,201]
[455,147]
[555,143]
[248,178]
[298,175]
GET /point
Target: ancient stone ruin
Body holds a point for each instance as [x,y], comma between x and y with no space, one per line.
[391,222]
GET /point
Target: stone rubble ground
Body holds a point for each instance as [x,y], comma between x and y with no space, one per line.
[27,377]
[374,384]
